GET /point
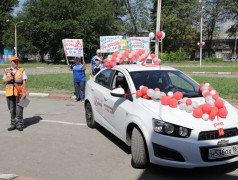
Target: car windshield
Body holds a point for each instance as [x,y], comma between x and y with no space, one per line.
[166,80]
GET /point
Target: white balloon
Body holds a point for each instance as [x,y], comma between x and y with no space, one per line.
[130,55]
[143,55]
[182,106]
[195,104]
[205,117]
[189,109]
[156,59]
[163,94]
[208,98]
[150,92]
[109,59]
[205,88]
[118,59]
[170,94]
[159,60]
[213,92]
[152,35]
[141,87]
[207,84]
[119,55]
[163,35]
[211,102]
[157,95]
[109,56]
[184,99]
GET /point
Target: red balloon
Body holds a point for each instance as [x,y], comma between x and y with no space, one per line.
[215,109]
[206,108]
[144,90]
[138,93]
[173,103]
[165,100]
[112,64]
[106,64]
[114,58]
[210,88]
[215,96]
[178,95]
[188,102]
[222,112]
[159,34]
[152,56]
[123,57]
[156,89]
[136,56]
[219,103]
[197,113]
[212,114]
[146,96]
[105,60]
[206,94]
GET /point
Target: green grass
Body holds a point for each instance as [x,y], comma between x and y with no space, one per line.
[33,64]
[197,63]
[63,84]
[227,87]
[209,69]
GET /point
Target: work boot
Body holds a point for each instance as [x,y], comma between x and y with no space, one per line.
[20,125]
[13,125]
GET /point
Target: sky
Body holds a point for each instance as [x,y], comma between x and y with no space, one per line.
[18,8]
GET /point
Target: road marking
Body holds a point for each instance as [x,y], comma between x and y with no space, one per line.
[63,122]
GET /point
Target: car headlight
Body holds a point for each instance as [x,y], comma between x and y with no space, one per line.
[169,129]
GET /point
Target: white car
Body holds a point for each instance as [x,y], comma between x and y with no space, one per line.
[157,133]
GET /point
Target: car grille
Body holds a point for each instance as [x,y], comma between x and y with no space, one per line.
[208,135]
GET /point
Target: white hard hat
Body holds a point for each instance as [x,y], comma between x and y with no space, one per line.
[98,51]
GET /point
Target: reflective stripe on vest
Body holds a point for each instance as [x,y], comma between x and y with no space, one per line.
[10,90]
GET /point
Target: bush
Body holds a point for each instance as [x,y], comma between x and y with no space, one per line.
[164,56]
[172,56]
[180,55]
[213,59]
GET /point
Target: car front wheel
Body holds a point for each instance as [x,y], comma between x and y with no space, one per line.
[89,116]
[138,150]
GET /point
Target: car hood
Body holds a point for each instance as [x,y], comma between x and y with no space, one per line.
[185,119]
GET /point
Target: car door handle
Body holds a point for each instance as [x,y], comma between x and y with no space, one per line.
[105,98]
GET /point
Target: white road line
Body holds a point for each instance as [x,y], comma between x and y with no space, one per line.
[63,122]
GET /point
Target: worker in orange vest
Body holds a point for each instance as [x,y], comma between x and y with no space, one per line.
[15,80]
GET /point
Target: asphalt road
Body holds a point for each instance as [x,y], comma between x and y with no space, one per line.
[57,145]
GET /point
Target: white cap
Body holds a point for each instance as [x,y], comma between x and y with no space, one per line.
[97,58]
[98,51]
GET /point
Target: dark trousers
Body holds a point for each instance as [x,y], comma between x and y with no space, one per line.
[79,90]
[16,111]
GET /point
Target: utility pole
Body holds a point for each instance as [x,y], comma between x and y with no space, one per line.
[201,35]
[158,27]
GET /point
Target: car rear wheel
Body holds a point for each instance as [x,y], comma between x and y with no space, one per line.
[138,150]
[89,116]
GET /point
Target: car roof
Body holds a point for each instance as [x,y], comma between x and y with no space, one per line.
[139,67]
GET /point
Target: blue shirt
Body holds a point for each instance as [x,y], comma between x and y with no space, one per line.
[96,69]
[78,72]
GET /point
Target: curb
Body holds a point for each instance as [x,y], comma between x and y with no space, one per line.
[218,73]
[56,96]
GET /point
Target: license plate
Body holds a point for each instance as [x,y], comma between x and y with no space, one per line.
[221,152]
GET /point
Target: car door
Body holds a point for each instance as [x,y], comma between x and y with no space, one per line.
[101,85]
[115,108]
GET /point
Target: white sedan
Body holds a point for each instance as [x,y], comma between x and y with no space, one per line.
[162,134]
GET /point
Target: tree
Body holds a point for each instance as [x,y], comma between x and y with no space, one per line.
[179,20]
[6,7]
[47,22]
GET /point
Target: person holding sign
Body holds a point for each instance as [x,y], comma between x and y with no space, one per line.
[97,66]
[78,69]
[15,80]
[99,55]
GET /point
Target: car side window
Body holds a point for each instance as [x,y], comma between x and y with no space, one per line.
[119,81]
[103,77]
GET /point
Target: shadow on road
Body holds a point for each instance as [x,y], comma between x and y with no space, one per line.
[31,121]
[114,139]
[216,172]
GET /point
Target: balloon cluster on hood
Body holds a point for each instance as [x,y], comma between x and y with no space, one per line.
[213,106]
[129,55]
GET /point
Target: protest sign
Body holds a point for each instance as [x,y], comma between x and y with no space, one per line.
[137,43]
[73,47]
[110,43]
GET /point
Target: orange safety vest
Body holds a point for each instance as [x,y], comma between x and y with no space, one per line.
[18,80]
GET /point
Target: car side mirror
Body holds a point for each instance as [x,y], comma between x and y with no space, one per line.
[118,92]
